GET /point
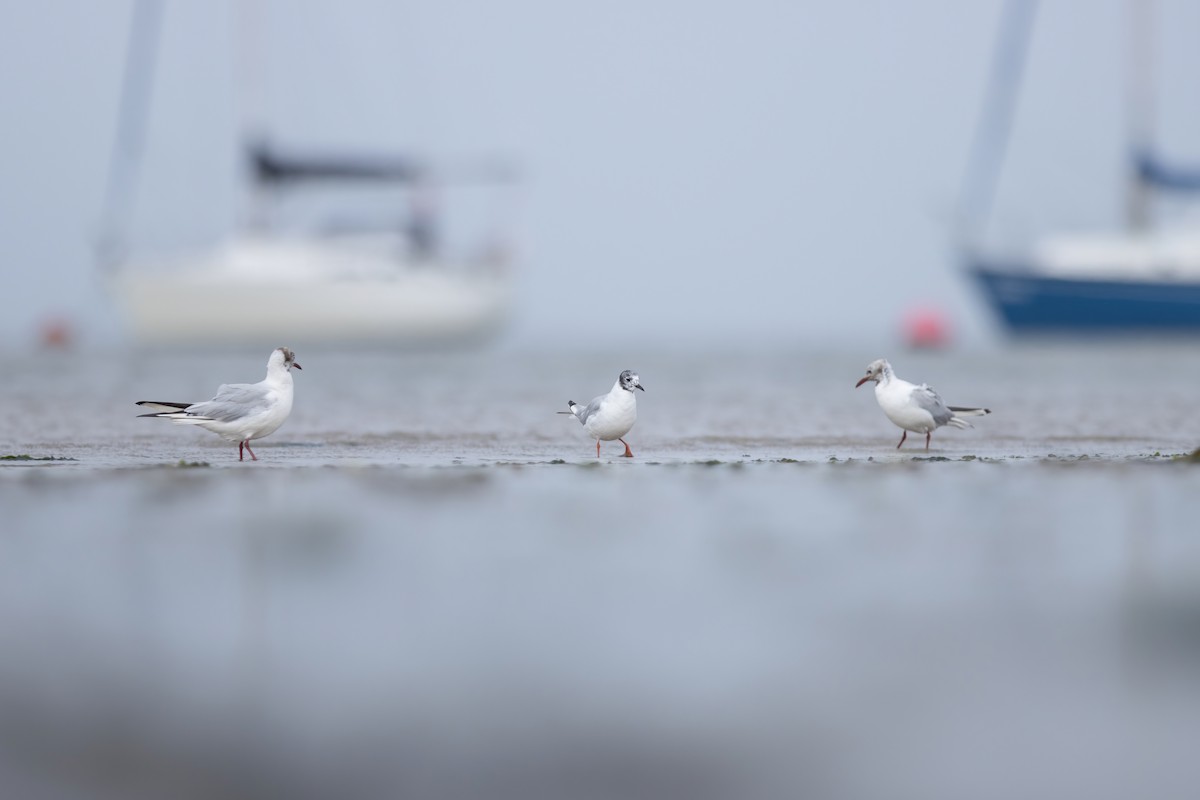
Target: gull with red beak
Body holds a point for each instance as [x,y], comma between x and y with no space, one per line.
[240,411]
[914,408]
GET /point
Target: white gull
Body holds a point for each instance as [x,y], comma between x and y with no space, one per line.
[240,411]
[916,408]
[610,416]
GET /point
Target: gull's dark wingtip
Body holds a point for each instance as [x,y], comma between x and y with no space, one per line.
[164,409]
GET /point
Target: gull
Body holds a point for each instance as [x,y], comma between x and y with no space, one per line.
[914,408]
[610,416]
[240,411]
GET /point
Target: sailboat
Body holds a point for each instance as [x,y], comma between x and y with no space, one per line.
[392,284]
[1145,278]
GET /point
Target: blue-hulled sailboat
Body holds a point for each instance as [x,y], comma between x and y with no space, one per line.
[1144,279]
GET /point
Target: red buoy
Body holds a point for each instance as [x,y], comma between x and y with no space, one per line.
[926,329]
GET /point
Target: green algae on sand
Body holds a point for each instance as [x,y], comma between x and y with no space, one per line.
[27,457]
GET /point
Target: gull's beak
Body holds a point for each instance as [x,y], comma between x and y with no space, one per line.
[638,385]
[296,364]
[862,380]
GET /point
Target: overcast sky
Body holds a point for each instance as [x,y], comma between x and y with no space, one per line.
[694,171]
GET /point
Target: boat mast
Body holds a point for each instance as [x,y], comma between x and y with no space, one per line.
[978,190]
[1139,110]
[132,112]
[250,45]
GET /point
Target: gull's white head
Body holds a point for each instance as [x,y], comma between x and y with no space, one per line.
[875,371]
[283,358]
[629,381]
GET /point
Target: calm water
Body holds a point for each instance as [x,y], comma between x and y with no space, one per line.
[429,586]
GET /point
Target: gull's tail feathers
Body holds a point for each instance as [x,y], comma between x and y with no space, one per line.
[959,412]
[171,411]
[970,412]
[161,408]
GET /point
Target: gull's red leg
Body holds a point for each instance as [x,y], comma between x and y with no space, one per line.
[903,436]
[240,446]
[597,448]
[628,453]
[251,452]
[927,435]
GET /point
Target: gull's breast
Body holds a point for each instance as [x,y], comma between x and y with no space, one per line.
[612,420]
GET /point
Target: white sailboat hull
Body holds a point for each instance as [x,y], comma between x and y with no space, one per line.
[310,291]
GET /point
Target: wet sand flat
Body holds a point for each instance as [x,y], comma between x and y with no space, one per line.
[428,585]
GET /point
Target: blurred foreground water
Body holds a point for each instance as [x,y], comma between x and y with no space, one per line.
[429,587]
